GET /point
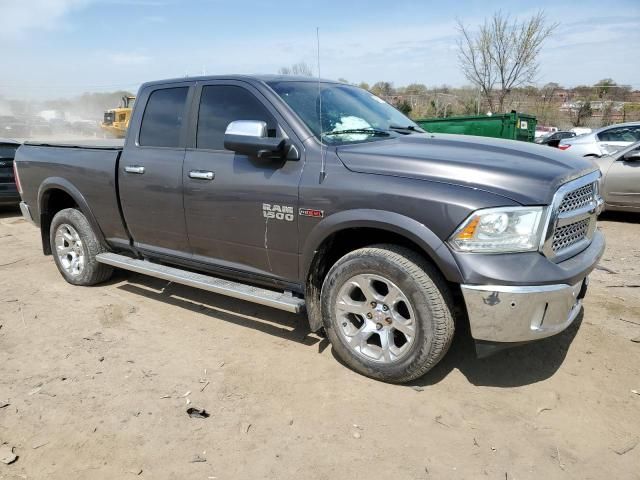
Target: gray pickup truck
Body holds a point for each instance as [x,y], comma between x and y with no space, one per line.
[311,194]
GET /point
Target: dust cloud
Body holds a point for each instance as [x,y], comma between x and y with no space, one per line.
[77,117]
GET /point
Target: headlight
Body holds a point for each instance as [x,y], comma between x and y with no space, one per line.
[500,230]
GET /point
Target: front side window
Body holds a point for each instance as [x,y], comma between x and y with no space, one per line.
[349,114]
[222,104]
[163,117]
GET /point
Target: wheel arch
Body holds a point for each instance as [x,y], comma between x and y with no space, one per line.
[56,194]
[334,237]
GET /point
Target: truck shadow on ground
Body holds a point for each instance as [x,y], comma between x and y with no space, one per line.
[10,212]
[513,367]
[523,365]
[274,322]
[622,217]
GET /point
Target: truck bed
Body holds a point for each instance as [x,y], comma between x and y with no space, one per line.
[87,171]
[97,144]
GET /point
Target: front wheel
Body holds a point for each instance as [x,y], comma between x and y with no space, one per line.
[387,313]
[74,246]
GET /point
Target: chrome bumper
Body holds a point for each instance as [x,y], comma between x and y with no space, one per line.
[521,313]
[26,213]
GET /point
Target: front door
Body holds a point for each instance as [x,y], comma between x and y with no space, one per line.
[150,173]
[241,212]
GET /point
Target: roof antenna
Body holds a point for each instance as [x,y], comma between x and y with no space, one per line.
[323,172]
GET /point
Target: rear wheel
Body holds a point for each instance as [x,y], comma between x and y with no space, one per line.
[387,313]
[74,246]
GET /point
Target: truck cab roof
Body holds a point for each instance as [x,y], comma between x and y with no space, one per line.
[254,78]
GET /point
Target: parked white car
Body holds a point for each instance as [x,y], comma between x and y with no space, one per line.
[603,141]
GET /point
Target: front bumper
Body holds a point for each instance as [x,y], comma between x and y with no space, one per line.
[500,313]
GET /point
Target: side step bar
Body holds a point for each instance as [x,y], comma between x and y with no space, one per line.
[270,298]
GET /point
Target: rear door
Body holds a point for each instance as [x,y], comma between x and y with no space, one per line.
[241,212]
[150,171]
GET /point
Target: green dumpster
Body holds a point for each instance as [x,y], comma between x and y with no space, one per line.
[513,126]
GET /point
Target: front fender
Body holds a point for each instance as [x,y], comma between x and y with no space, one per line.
[392,222]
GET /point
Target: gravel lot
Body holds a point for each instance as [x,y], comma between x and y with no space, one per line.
[97,382]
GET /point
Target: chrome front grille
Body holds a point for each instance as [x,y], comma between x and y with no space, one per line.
[564,237]
[572,220]
[578,198]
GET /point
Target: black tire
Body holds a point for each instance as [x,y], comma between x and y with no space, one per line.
[92,272]
[425,289]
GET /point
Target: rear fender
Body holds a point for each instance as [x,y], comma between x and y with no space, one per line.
[57,183]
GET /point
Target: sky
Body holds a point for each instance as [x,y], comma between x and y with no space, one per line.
[61,48]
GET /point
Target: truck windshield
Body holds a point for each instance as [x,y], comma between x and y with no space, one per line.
[349,114]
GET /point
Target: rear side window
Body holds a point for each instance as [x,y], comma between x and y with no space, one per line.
[222,104]
[620,134]
[163,117]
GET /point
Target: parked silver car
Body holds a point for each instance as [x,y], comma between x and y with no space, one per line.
[620,183]
[604,141]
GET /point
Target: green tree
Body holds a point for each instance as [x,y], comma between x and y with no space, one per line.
[605,87]
[404,107]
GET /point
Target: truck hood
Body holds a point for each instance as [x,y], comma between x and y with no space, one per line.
[523,172]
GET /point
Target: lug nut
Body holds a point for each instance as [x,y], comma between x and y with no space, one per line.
[369,316]
[388,320]
[378,326]
[385,308]
[344,324]
[373,304]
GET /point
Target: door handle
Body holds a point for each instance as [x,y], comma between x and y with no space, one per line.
[201,175]
[134,169]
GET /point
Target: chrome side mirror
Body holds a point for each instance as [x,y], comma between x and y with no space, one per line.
[248,128]
[251,137]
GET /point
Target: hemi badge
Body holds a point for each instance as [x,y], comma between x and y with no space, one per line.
[310,212]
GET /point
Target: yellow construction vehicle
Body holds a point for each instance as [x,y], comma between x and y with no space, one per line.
[116,120]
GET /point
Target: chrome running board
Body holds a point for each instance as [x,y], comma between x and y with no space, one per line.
[241,291]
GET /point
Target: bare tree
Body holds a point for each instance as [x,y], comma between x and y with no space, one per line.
[382,89]
[545,105]
[607,113]
[579,113]
[300,68]
[502,54]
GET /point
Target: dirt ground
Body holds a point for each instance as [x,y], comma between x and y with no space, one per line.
[98,381]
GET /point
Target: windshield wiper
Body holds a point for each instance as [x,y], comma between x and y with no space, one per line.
[370,131]
[408,129]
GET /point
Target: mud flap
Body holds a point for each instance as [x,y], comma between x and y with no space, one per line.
[485,349]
